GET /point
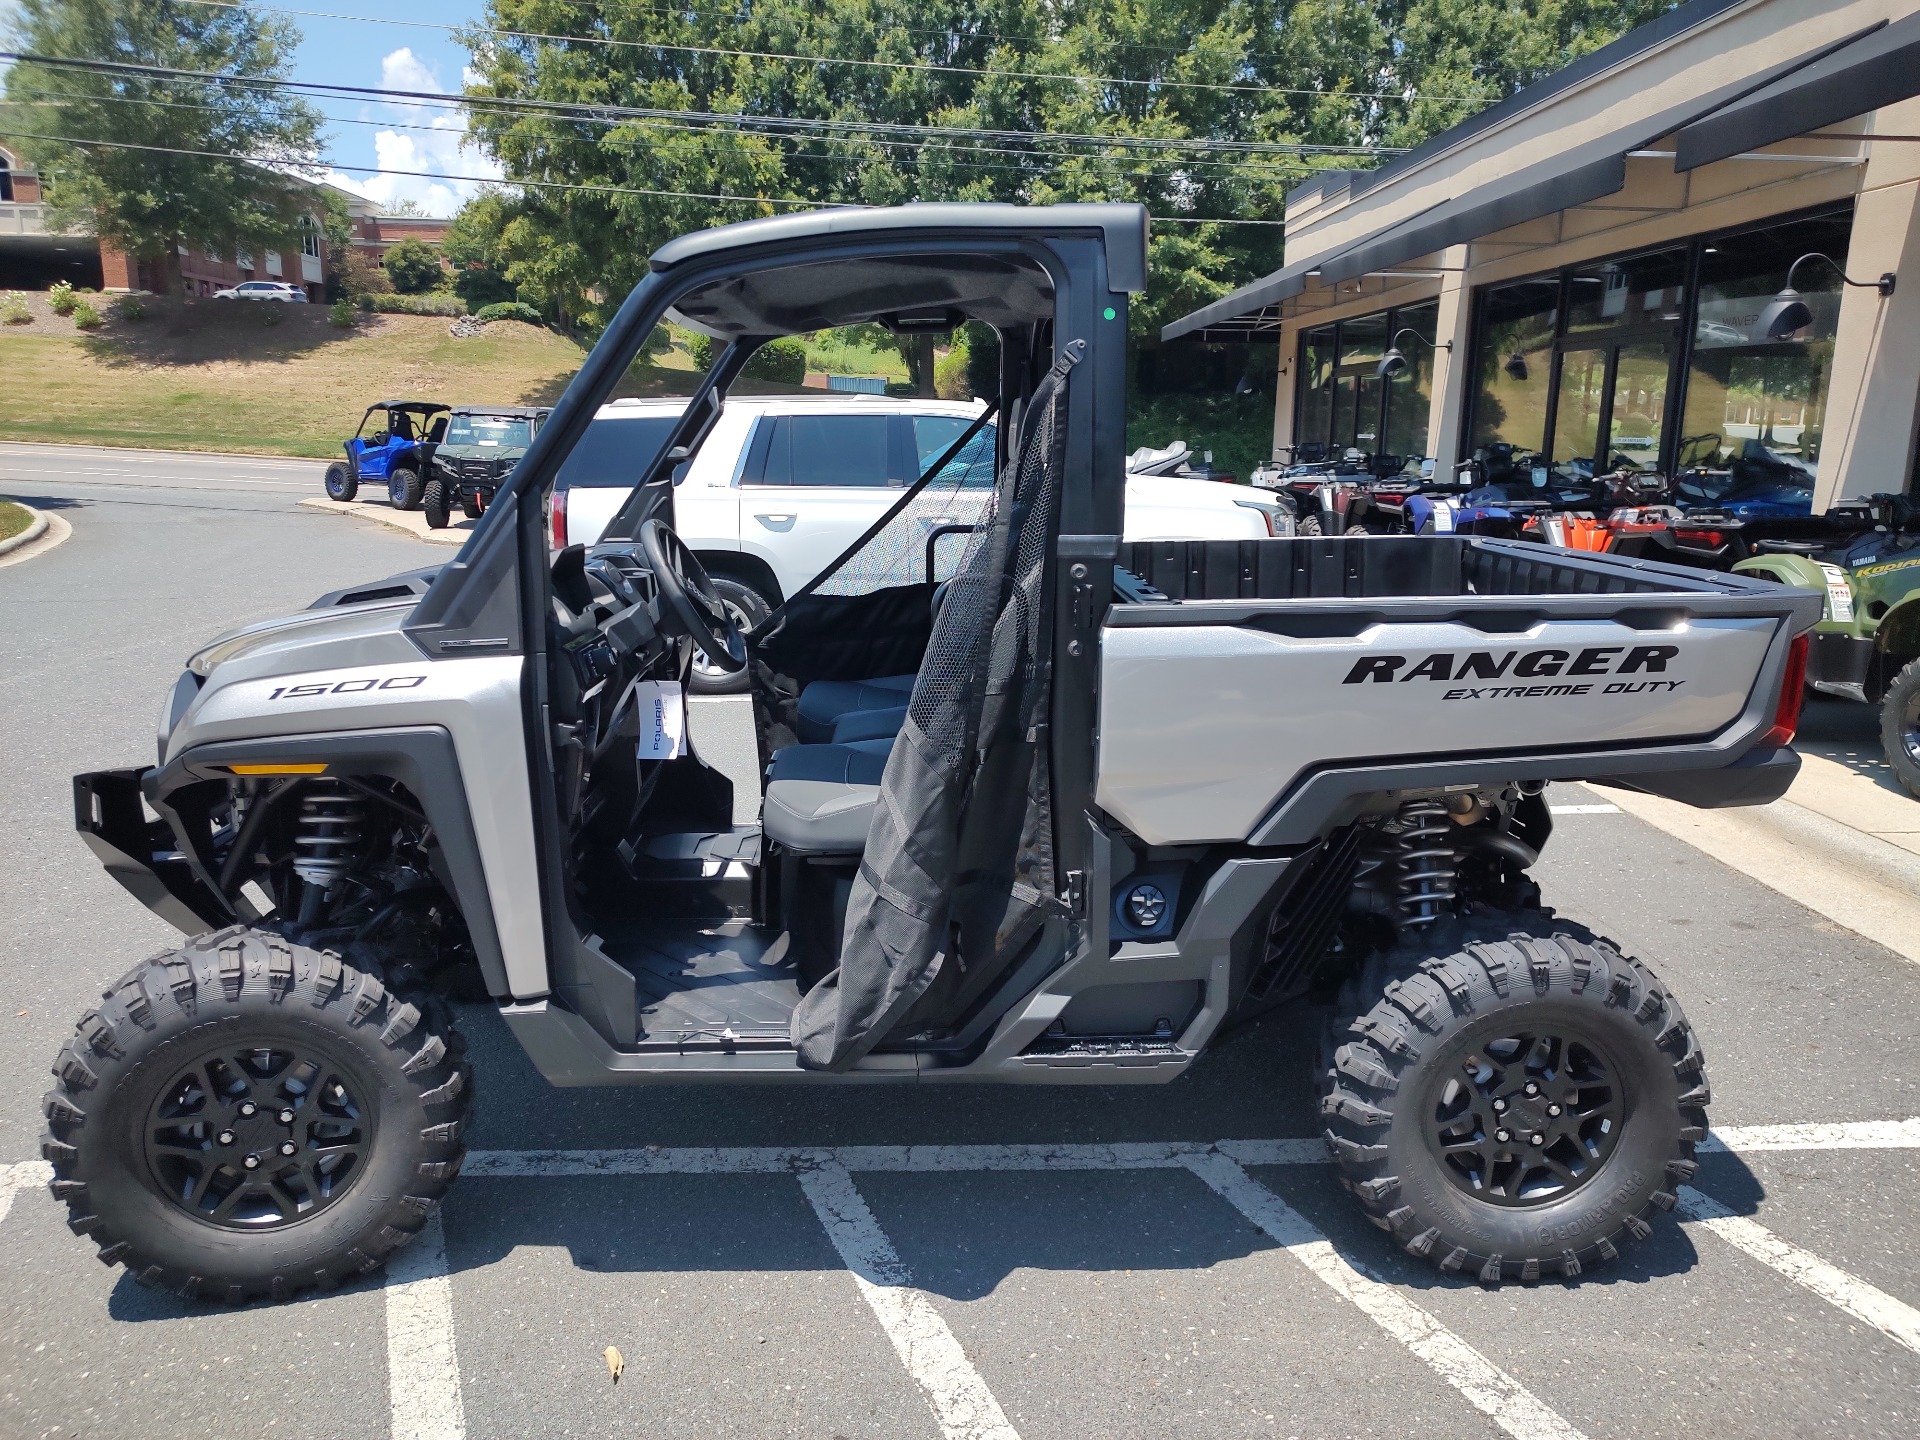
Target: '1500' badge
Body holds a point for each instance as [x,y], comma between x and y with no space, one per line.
[348,687]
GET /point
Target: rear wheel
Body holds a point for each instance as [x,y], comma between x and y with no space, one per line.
[1900,727]
[1515,1098]
[404,487]
[433,501]
[341,484]
[244,1117]
[1309,525]
[746,607]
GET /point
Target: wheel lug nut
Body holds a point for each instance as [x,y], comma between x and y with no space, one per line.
[1536,1139]
[1503,1136]
[286,1117]
[226,1137]
[248,1107]
[287,1147]
[252,1162]
[1499,1107]
[1532,1089]
[1553,1109]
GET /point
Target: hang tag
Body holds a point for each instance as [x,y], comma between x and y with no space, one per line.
[1443,517]
[1839,594]
[662,705]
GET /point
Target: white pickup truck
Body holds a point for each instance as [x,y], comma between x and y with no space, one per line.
[782,486]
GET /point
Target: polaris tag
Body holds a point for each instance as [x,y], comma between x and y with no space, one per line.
[1443,517]
[663,719]
[1839,594]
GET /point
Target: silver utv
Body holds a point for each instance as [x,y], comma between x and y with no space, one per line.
[1039,807]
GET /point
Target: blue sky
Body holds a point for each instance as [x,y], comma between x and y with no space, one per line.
[397,48]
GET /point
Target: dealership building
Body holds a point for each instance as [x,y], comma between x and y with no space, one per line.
[1699,244]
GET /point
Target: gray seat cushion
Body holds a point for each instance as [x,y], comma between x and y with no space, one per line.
[869,725]
[825,701]
[819,798]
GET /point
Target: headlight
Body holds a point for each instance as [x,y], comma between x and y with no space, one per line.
[1278,517]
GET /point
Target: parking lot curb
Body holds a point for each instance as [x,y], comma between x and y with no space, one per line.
[1859,882]
[406,522]
[44,533]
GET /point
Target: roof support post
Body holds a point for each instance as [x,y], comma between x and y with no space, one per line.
[1452,365]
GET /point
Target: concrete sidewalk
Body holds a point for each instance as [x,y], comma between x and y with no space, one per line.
[413,522]
[1844,841]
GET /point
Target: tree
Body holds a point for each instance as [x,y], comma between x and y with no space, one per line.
[472,247]
[413,266]
[407,208]
[230,190]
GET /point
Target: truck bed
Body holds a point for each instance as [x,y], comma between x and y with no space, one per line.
[1250,688]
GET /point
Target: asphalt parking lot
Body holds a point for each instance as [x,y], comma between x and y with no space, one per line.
[952,1262]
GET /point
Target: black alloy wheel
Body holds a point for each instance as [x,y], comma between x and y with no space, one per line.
[253,1137]
[1900,728]
[1527,1118]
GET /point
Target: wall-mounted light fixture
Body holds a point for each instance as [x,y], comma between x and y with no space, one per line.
[1516,366]
[1394,362]
[1788,311]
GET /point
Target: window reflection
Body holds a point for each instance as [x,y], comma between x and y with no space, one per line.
[1514,364]
[1345,405]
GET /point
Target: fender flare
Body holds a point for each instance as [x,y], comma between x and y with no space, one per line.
[1899,630]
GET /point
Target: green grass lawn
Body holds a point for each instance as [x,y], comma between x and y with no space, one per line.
[13,519]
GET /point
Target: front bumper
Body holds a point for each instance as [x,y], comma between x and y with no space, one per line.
[142,854]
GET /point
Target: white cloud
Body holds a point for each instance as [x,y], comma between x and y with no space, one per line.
[441,148]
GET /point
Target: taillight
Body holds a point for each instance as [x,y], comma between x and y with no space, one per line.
[557,509]
[1793,689]
[1712,539]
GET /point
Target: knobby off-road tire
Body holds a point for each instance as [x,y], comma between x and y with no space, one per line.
[433,503]
[1309,525]
[341,484]
[404,487]
[154,1094]
[1900,728]
[1430,1034]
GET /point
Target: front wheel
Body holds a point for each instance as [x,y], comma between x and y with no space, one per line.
[1516,1096]
[244,1117]
[433,502]
[746,607]
[404,487]
[1900,727]
[469,505]
[341,484]
[1309,525]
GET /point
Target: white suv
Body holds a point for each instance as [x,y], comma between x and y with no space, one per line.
[782,486]
[264,290]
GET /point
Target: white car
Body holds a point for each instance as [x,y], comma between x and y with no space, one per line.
[783,485]
[264,290]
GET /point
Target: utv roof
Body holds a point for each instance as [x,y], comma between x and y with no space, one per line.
[827,292]
[513,411]
[409,405]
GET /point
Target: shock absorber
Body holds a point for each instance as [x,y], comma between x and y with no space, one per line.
[327,838]
[1428,862]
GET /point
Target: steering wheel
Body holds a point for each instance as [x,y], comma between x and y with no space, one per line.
[688,595]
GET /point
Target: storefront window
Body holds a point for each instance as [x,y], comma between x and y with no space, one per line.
[1344,404]
[1513,365]
[1640,290]
[1755,403]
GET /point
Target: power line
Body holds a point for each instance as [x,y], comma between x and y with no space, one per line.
[498,104]
[325,163]
[923,67]
[922,147]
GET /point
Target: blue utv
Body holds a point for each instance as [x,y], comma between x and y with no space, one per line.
[393,446]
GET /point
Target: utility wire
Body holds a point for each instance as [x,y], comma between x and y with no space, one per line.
[498,104]
[923,67]
[319,163]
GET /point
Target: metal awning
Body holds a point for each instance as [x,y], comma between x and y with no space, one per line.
[1572,178]
[1879,68]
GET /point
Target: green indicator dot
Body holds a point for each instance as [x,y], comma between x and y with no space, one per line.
[1109,312]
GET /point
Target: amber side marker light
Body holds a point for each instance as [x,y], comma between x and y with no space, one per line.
[313,768]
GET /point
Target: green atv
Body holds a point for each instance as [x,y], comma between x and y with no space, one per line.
[1867,646]
[483,443]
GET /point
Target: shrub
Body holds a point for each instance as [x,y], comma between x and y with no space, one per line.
[783,360]
[341,313]
[413,267]
[353,274]
[951,373]
[414,304]
[509,310]
[60,298]
[700,349]
[13,309]
[130,307]
[85,317]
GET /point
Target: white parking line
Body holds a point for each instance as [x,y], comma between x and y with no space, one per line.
[15,1178]
[1487,1387]
[423,1372]
[1854,1135]
[961,1401]
[1583,809]
[1893,1318]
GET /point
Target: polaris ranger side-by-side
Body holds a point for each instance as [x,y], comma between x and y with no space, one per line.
[1041,807]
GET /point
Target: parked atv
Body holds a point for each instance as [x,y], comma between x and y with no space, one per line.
[1867,645]
[491,784]
[482,445]
[393,446]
